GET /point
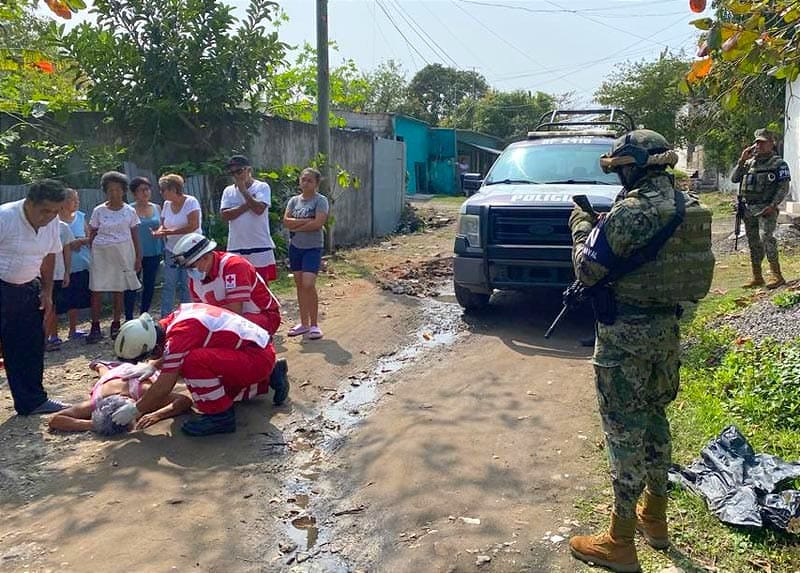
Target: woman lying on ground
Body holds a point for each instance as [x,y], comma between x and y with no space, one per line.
[109,393]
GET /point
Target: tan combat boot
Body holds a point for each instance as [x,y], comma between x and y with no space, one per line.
[758,278]
[614,550]
[777,277]
[651,514]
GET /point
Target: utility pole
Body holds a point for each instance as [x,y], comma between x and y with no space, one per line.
[323,107]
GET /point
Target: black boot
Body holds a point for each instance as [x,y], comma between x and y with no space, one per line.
[279,381]
[207,424]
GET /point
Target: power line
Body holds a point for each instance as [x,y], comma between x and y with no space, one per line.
[399,31]
[561,10]
[596,21]
[509,44]
[456,37]
[419,31]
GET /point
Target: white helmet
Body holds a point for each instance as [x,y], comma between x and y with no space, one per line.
[191,247]
[136,338]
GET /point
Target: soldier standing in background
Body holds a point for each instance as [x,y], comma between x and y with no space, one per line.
[765,183]
[637,354]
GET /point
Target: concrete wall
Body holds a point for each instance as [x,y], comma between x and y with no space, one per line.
[281,142]
[284,142]
[380,124]
[791,140]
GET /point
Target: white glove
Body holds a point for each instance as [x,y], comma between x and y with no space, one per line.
[141,371]
[126,414]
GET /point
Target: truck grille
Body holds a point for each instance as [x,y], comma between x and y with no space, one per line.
[509,226]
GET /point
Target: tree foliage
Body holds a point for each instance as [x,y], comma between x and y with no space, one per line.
[648,90]
[746,39]
[435,92]
[508,115]
[176,75]
[295,94]
[34,78]
[388,88]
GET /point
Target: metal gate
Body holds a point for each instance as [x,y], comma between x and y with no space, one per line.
[388,185]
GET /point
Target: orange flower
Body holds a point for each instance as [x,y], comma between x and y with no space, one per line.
[45,66]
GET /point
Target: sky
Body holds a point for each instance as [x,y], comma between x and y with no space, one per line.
[554,46]
[539,45]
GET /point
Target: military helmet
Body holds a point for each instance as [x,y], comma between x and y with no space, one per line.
[635,148]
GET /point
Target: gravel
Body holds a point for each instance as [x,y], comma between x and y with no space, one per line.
[763,320]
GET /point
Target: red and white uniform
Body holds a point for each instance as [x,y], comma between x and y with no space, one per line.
[222,356]
[233,279]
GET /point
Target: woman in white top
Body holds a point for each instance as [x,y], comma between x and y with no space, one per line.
[116,257]
[179,216]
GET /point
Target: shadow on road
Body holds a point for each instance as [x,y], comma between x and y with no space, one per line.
[520,319]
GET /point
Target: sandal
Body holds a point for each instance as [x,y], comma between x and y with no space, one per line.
[314,333]
[298,329]
[114,330]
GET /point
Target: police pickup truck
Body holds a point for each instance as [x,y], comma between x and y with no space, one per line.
[513,234]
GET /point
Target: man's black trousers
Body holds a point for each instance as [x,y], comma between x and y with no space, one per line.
[22,337]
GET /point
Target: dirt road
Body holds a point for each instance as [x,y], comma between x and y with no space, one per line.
[414,440]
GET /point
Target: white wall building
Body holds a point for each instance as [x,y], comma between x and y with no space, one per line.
[791,139]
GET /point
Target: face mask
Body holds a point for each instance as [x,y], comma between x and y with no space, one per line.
[195,274]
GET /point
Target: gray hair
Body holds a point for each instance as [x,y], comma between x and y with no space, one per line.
[101,415]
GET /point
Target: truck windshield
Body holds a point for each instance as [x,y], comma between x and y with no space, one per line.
[547,162]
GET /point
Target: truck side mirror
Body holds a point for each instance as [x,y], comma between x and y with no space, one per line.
[471,183]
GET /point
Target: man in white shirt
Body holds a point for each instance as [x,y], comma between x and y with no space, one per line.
[29,243]
[245,206]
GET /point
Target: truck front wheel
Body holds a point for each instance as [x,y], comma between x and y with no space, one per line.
[471,301]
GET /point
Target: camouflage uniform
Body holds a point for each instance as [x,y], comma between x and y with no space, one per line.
[636,359]
[765,183]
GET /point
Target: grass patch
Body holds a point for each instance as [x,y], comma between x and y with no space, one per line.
[727,380]
[451,200]
[720,203]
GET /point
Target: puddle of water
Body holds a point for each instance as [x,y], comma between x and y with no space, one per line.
[440,328]
[442,324]
[306,530]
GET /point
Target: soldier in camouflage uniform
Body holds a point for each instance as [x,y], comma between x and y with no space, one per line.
[636,358]
[765,183]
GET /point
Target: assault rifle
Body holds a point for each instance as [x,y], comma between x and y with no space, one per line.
[577,292]
[602,297]
[737,225]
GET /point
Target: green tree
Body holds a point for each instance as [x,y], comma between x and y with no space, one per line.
[388,88]
[739,84]
[295,96]
[34,78]
[649,92]
[176,75]
[509,115]
[435,92]
[744,40]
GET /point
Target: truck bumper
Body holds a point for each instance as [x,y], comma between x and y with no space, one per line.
[470,273]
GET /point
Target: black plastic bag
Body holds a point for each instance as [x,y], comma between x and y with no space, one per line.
[741,487]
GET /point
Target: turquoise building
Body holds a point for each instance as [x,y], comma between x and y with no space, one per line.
[432,153]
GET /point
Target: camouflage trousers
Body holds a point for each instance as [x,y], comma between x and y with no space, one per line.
[636,362]
[760,233]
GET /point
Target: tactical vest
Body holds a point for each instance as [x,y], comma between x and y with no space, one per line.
[684,267]
[760,181]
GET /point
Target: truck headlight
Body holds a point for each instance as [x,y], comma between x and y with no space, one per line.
[470,227]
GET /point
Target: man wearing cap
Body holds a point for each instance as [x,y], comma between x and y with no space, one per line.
[764,178]
[227,280]
[245,206]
